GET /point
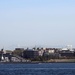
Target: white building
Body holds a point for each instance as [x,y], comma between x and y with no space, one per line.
[68,47]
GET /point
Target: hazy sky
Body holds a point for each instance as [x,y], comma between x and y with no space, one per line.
[29,23]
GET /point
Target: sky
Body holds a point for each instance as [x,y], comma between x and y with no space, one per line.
[42,23]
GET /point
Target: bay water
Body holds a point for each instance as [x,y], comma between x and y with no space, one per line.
[38,69]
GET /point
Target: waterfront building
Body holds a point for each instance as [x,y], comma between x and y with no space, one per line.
[19,48]
[41,52]
[30,53]
[65,52]
[18,51]
[68,48]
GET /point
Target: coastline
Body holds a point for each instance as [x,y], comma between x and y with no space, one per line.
[39,62]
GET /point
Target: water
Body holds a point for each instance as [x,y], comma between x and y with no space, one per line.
[38,69]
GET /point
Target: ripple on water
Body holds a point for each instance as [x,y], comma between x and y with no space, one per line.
[44,69]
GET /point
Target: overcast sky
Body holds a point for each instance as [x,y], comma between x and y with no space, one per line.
[26,23]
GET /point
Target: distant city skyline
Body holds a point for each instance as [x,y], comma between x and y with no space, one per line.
[29,23]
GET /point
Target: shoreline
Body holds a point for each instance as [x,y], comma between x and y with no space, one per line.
[39,62]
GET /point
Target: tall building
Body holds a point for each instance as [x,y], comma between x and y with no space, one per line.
[30,53]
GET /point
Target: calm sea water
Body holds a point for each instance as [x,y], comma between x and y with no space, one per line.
[38,69]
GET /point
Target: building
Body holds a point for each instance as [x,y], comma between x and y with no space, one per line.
[68,48]
[18,51]
[41,52]
[19,48]
[30,53]
[66,53]
[51,53]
